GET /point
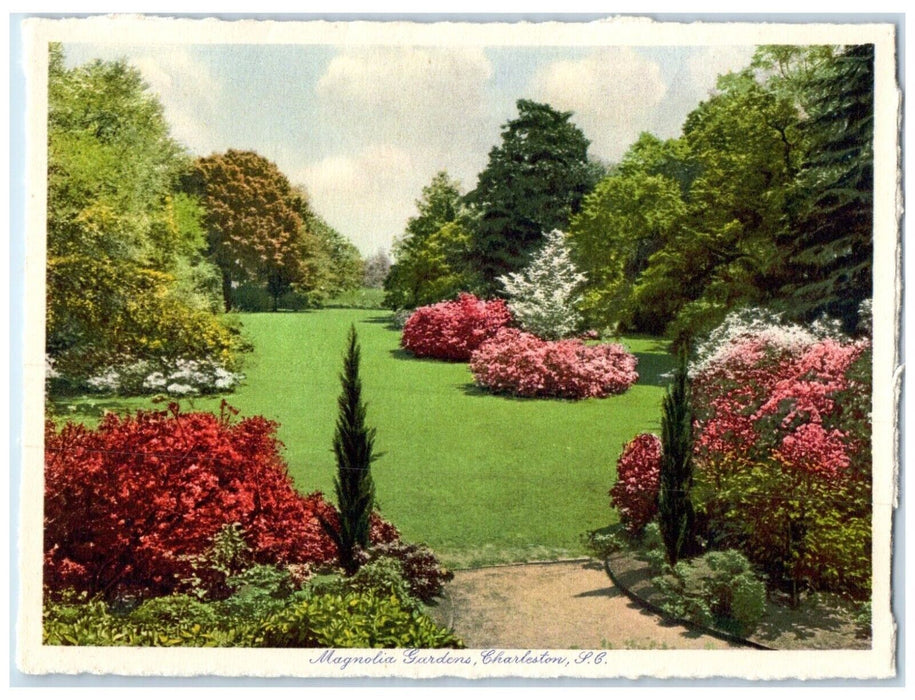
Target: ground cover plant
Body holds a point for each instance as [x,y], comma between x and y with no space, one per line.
[445,442]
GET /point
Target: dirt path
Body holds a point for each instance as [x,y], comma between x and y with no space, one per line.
[555,606]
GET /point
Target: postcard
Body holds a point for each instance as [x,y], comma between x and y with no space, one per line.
[459,349]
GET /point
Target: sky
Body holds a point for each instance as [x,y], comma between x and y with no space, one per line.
[365,128]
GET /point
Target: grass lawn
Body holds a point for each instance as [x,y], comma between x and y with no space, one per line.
[480,478]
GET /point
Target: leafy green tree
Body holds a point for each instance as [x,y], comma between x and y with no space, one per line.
[126,272]
[675,509]
[335,262]
[830,251]
[353,446]
[534,182]
[432,257]
[628,217]
[746,151]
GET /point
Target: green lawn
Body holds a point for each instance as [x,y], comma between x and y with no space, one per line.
[480,478]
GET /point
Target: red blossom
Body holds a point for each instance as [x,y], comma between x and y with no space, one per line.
[452,330]
[638,481]
[127,504]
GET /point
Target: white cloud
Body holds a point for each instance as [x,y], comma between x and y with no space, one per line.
[414,97]
[189,94]
[613,93]
[367,196]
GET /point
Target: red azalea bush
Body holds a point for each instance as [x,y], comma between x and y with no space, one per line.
[452,330]
[130,504]
[783,458]
[522,364]
[638,480]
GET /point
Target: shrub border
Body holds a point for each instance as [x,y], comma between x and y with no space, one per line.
[651,607]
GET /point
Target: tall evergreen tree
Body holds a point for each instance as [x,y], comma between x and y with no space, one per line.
[534,182]
[831,251]
[353,448]
[675,508]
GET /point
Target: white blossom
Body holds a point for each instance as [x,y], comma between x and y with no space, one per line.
[543,296]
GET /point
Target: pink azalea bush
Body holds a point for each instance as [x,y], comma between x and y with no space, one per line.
[783,458]
[638,480]
[452,330]
[522,364]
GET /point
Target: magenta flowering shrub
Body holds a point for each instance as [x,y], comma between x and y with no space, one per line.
[762,402]
[452,330]
[783,455]
[522,364]
[638,481]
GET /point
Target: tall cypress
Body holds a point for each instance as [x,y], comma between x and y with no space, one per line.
[675,508]
[353,448]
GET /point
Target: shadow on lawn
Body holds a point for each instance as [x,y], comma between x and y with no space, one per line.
[655,368]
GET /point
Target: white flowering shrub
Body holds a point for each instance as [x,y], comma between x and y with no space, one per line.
[766,328]
[179,377]
[543,297]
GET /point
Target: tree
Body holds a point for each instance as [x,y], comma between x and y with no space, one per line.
[432,257]
[675,509]
[629,217]
[376,269]
[544,295]
[337,265]
[353,446]
[254,230]
[126,273]
[533,183]
[745,151]
[830,250]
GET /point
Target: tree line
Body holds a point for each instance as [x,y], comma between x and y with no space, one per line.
[146,245]
[765,199]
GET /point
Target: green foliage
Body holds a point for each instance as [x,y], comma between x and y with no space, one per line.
[629,217]
[717,589]
[675,509]
[353,448]
[353,620]
[534,182]
[432,258]
[831,247]
[125,269]
[335,620]
[764,200]
[606,541]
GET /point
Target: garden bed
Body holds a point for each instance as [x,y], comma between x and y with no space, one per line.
[820,622]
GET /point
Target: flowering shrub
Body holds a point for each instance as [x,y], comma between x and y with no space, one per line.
[524,365]
[543,297]
[783,452]
[131,505]
[452,330]
[177,377]
[638,474]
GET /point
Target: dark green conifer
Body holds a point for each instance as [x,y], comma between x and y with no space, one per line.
[353,448]
[675,508]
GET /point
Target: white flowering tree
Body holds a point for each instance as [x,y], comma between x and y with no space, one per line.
[543,296]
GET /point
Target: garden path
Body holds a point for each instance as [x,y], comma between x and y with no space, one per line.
[555,606]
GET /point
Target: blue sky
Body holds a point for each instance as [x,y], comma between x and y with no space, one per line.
[363,129]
